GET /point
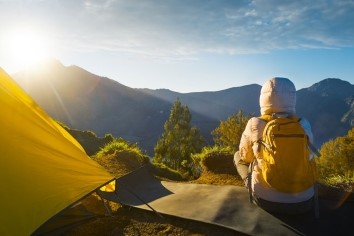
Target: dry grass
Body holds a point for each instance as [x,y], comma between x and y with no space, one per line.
[209,177]
[131,221]
[118,163]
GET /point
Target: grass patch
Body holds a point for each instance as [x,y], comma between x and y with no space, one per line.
[124,148]
[163,171]
[119,157]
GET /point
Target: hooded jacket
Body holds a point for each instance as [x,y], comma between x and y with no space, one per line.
[278,95]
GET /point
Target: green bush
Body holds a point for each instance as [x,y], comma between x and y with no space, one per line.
[124,148]
[216,159]
[336,164]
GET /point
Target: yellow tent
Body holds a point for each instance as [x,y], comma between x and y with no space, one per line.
[43,169]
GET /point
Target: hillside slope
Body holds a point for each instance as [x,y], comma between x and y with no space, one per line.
[86,101]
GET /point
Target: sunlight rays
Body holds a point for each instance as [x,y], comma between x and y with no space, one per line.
[25,47]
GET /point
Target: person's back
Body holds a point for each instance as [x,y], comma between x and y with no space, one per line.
[277,100]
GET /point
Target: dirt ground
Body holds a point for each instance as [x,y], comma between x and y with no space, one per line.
[132,221]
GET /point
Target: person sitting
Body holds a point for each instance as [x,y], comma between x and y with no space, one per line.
[277,100]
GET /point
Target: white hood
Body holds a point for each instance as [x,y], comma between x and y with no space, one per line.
[277,95]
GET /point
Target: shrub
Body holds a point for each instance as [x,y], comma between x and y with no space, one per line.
[120,157]
[216,159]
[124,148]
[112,147]
[336,164]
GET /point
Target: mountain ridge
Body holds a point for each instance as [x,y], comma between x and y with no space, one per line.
[86,101]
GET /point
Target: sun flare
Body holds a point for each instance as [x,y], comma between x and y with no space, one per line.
[25,47]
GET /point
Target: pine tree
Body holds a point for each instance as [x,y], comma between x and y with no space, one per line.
[229,132]
[179,139]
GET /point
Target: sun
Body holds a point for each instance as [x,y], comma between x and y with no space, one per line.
[25,47]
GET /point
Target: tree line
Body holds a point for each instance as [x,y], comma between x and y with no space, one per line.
[180,142]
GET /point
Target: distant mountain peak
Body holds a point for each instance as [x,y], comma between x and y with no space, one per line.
[327,83]
[333,86]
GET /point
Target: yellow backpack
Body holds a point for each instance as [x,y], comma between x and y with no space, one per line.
[284,151]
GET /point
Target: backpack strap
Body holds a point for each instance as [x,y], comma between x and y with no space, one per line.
[249,180]
[313,149]
[266,118]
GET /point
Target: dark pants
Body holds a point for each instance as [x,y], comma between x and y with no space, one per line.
[284,208]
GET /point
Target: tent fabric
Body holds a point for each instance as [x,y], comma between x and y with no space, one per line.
[226,206]
[43,168]
[65,221]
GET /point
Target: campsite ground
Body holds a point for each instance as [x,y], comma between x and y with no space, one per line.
[131,221]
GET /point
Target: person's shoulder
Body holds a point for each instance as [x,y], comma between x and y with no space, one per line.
[256,119]
[257,123]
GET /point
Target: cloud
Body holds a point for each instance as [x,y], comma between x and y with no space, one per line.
[183,29]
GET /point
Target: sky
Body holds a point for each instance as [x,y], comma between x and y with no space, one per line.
[183,45]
